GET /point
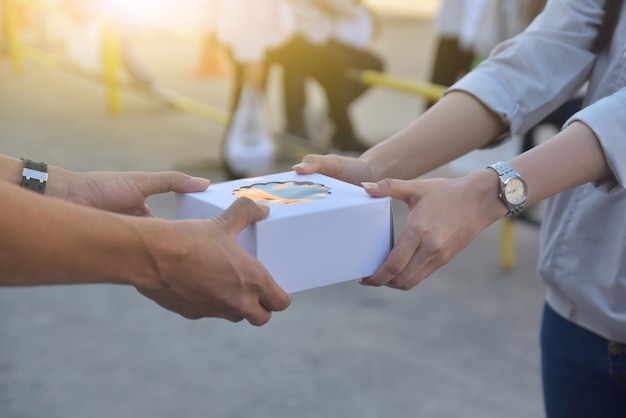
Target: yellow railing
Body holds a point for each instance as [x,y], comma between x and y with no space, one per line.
[111,67]
[11,24]
[112,63]
[430,91]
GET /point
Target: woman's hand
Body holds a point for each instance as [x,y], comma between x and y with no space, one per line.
[444,217]
[348,169]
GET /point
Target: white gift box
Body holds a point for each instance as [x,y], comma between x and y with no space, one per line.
[320,230]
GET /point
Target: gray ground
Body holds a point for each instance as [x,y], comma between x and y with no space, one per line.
[463,343]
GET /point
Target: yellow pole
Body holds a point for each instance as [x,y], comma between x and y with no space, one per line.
[507,255]
[11,19]
[432,92]
[111,63]
[197,108]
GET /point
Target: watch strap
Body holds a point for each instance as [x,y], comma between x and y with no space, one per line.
[34,175]
[503,169]
[505,173]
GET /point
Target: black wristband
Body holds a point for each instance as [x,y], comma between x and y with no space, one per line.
[34,175]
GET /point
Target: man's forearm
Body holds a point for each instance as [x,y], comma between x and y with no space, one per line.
[48,241]
[11,171]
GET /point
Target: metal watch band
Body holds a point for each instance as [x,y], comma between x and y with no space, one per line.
[505,173]
[34,175]
[514,211]
[503,169]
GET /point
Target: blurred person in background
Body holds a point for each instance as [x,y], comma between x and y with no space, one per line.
[500,20]
[456,25]
[319,39]
[467,31]
[349,48]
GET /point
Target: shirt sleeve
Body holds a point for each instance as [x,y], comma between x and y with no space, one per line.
[529,76]
[607,119]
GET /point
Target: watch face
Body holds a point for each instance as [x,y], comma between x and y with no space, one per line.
[515,191]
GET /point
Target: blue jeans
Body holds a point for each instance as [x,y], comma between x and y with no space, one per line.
[584,375]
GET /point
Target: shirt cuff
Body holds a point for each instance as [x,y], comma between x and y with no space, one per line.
[606,119]
[489,91]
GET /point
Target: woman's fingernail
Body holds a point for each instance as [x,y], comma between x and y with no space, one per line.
[299,165]
[370,186]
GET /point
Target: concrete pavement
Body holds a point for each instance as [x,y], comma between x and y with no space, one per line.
[463,343]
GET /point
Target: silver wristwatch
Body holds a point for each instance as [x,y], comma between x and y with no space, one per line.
[513,189]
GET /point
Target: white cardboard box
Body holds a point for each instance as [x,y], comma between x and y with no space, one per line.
[320,230]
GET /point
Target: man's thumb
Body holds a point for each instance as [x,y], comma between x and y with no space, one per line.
[244,212]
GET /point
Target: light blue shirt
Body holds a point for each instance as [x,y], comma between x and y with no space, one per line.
[583,237]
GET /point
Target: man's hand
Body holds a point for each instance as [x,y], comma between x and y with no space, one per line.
[123,192]
[213,276]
